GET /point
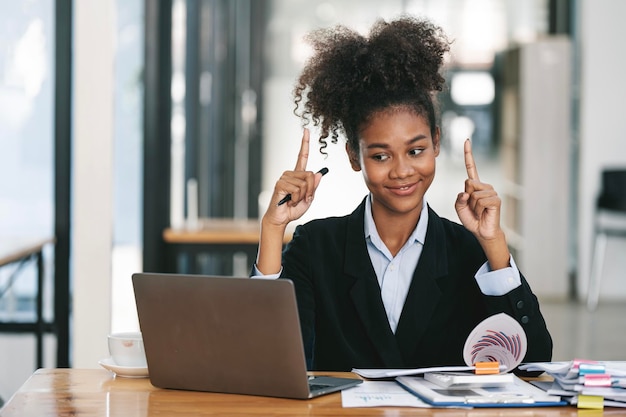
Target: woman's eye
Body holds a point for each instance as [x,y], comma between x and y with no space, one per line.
[380,157]
[415,152]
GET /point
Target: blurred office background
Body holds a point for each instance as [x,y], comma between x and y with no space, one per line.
[110,110]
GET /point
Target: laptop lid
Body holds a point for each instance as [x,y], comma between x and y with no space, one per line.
[223,334]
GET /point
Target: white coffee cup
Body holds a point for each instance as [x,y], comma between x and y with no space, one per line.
[126,349]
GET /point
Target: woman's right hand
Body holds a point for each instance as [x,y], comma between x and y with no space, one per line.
[300,184]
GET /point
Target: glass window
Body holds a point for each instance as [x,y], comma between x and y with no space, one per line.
[26,118]
[26,172]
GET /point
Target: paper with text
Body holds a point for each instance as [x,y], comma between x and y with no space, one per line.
[380,394]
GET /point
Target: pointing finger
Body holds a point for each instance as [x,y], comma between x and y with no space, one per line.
[303,155]
[470,165]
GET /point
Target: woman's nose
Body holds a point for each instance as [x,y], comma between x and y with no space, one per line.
[402,168]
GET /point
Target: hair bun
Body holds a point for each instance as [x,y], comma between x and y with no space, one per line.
[350,75]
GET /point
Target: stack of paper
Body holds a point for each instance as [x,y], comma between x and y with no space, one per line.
[586,383]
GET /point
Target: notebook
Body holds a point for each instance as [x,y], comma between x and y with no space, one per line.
[225,334]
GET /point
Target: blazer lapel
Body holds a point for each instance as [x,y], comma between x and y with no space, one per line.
[424,293]
[365,292]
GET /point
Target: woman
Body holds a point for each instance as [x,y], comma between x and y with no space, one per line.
[391,285]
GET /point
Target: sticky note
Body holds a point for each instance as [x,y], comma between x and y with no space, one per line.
[486,368]
[576,362]
[591,401]
[597,380]
[590,368]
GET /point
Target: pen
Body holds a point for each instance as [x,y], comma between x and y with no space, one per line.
[286,198]
[388,373]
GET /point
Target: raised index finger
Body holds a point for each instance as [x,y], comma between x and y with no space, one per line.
[303,155]
[470,165]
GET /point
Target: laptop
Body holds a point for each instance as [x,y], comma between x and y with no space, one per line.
[226,334]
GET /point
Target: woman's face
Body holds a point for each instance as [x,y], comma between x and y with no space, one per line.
[397,157]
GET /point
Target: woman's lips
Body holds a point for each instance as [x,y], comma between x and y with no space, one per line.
[403,190]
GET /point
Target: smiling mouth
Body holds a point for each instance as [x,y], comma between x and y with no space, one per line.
[403,189]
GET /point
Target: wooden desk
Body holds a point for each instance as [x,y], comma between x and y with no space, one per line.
[96,392]
[212,236]
[21,251]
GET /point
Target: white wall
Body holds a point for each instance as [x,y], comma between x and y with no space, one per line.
[602,129]
[92,179]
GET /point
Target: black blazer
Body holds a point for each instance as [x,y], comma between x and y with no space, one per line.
[344,324]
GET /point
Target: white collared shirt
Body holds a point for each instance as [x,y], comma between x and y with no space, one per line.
[394,274]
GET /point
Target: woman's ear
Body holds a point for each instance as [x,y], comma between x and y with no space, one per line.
[354,158]
[437,141]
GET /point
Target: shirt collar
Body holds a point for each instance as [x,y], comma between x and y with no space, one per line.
[419,233]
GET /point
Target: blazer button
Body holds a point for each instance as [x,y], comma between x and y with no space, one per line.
[524,319]
[520,304]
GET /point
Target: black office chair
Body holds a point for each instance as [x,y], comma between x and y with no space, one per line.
[609,220]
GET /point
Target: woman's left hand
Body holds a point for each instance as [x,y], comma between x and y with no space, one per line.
[478,209]
[479,206]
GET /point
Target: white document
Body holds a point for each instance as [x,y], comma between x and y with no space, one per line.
[390,373]
[569,369]
[380,394]
[467,379]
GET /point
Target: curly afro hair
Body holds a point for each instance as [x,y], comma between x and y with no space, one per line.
[350,77]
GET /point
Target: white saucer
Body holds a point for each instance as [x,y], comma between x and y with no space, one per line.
[123,371]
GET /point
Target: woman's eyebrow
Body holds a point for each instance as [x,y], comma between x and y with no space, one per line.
[377,145]
[416,139]
[383,145]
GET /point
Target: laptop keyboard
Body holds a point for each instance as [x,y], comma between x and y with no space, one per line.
[316,387]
